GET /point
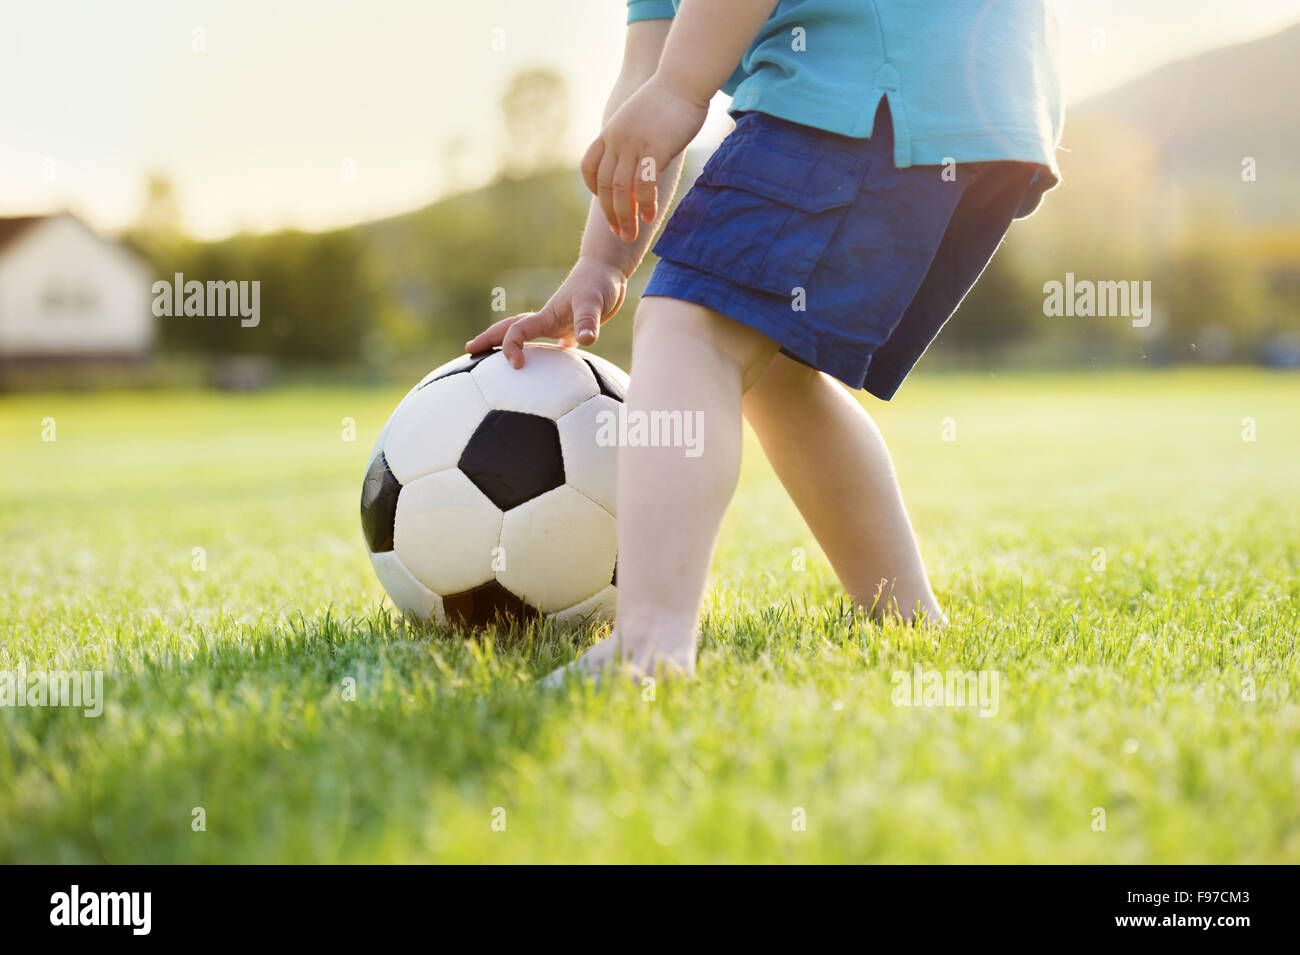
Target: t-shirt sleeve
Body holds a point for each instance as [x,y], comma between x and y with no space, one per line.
[649,10]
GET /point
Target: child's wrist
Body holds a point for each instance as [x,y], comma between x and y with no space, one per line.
[603,249]
[680,84]
[623,265]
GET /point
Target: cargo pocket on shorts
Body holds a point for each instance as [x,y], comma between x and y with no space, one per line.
[763,211]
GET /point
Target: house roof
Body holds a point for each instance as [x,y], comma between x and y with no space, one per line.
[15,226]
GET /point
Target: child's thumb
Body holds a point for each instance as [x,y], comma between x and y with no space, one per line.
[586,320]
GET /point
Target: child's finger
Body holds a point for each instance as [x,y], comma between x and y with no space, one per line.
[490,336]
[624,198]
[591,165]
[536,325]
[647,188]
[605,188]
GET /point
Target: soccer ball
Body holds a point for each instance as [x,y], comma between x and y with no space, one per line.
[488,495]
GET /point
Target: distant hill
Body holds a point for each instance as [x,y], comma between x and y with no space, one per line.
[1203,115]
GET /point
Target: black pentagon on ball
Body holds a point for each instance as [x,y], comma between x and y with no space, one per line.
[513,457]
[486,604]
[607,387]
[470,365]
[379,504]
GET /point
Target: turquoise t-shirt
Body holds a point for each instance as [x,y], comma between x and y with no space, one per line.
[966,80]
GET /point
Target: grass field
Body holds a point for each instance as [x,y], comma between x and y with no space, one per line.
[1109,544]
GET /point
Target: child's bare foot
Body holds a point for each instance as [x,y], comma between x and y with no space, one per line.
[635,660]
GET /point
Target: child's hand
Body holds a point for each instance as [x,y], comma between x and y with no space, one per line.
[589,297]
[623,166]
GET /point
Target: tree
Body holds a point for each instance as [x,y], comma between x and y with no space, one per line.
[535,108]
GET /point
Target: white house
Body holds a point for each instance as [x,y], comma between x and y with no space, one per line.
[68,293]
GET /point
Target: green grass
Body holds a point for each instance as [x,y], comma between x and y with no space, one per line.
[1124,688]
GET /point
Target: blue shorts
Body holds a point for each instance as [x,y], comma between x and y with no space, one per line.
[818,241]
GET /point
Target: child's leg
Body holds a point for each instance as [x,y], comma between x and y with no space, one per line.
[831,458]
[690,359]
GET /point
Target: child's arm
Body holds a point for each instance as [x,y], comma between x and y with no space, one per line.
[594,289]
[641,53]
[660,119]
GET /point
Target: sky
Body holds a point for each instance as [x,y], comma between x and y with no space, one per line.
[317,113]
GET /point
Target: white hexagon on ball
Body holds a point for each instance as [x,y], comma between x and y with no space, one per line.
[446,532]
[553,380]
[591,463]
[430,427]
[559,549]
